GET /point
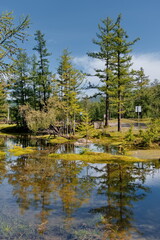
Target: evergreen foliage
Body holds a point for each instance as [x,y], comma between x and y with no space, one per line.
[116,77]
[10,34]
[44,77]
[105,41]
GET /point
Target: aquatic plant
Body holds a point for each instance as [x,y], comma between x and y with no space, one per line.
[85,151]
[94,157]
[59,140]
[18,150]
[2,154]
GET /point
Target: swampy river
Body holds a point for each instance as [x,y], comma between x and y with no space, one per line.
[41,198]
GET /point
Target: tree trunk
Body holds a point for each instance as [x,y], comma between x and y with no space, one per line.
[107,112]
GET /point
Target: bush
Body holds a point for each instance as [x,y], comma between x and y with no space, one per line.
[151,135]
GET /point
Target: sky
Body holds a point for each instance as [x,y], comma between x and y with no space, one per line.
[73,24]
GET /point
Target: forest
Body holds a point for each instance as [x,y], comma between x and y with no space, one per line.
[35,98]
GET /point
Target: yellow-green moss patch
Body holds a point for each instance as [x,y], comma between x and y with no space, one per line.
[18,150]
[95,157]
[59,140]
[2,154]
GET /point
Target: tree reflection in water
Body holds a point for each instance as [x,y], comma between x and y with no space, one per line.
[122,184]
[39,181]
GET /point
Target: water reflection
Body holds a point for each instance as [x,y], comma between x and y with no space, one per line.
[87,201]
[118,183]
[37,182]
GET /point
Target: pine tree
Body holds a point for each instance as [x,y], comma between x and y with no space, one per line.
[19,87]
[44,81]
[34,82]
[121,63]
[19,82]
[105,40]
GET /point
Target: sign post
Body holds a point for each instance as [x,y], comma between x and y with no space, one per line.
[138,109]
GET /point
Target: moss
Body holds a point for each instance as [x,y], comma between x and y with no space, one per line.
[11,129]
[59,140]
[2,154]
[95,157]
[18,151]
[2,126]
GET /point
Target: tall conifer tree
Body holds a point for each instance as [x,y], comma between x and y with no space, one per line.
[19,82]
[69,83]
[121,64]
[44,74]
[104,41]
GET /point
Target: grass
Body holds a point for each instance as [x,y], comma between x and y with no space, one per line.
[18,151]
[95,157]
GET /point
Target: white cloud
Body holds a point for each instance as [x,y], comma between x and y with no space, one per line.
[150,62]
[88,64]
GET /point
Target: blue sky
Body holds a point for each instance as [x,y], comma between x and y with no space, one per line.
[73,24]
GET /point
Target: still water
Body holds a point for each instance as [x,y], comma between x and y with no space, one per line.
[42,198]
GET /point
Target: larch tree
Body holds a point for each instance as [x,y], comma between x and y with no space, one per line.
[69,82]
[10,35]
